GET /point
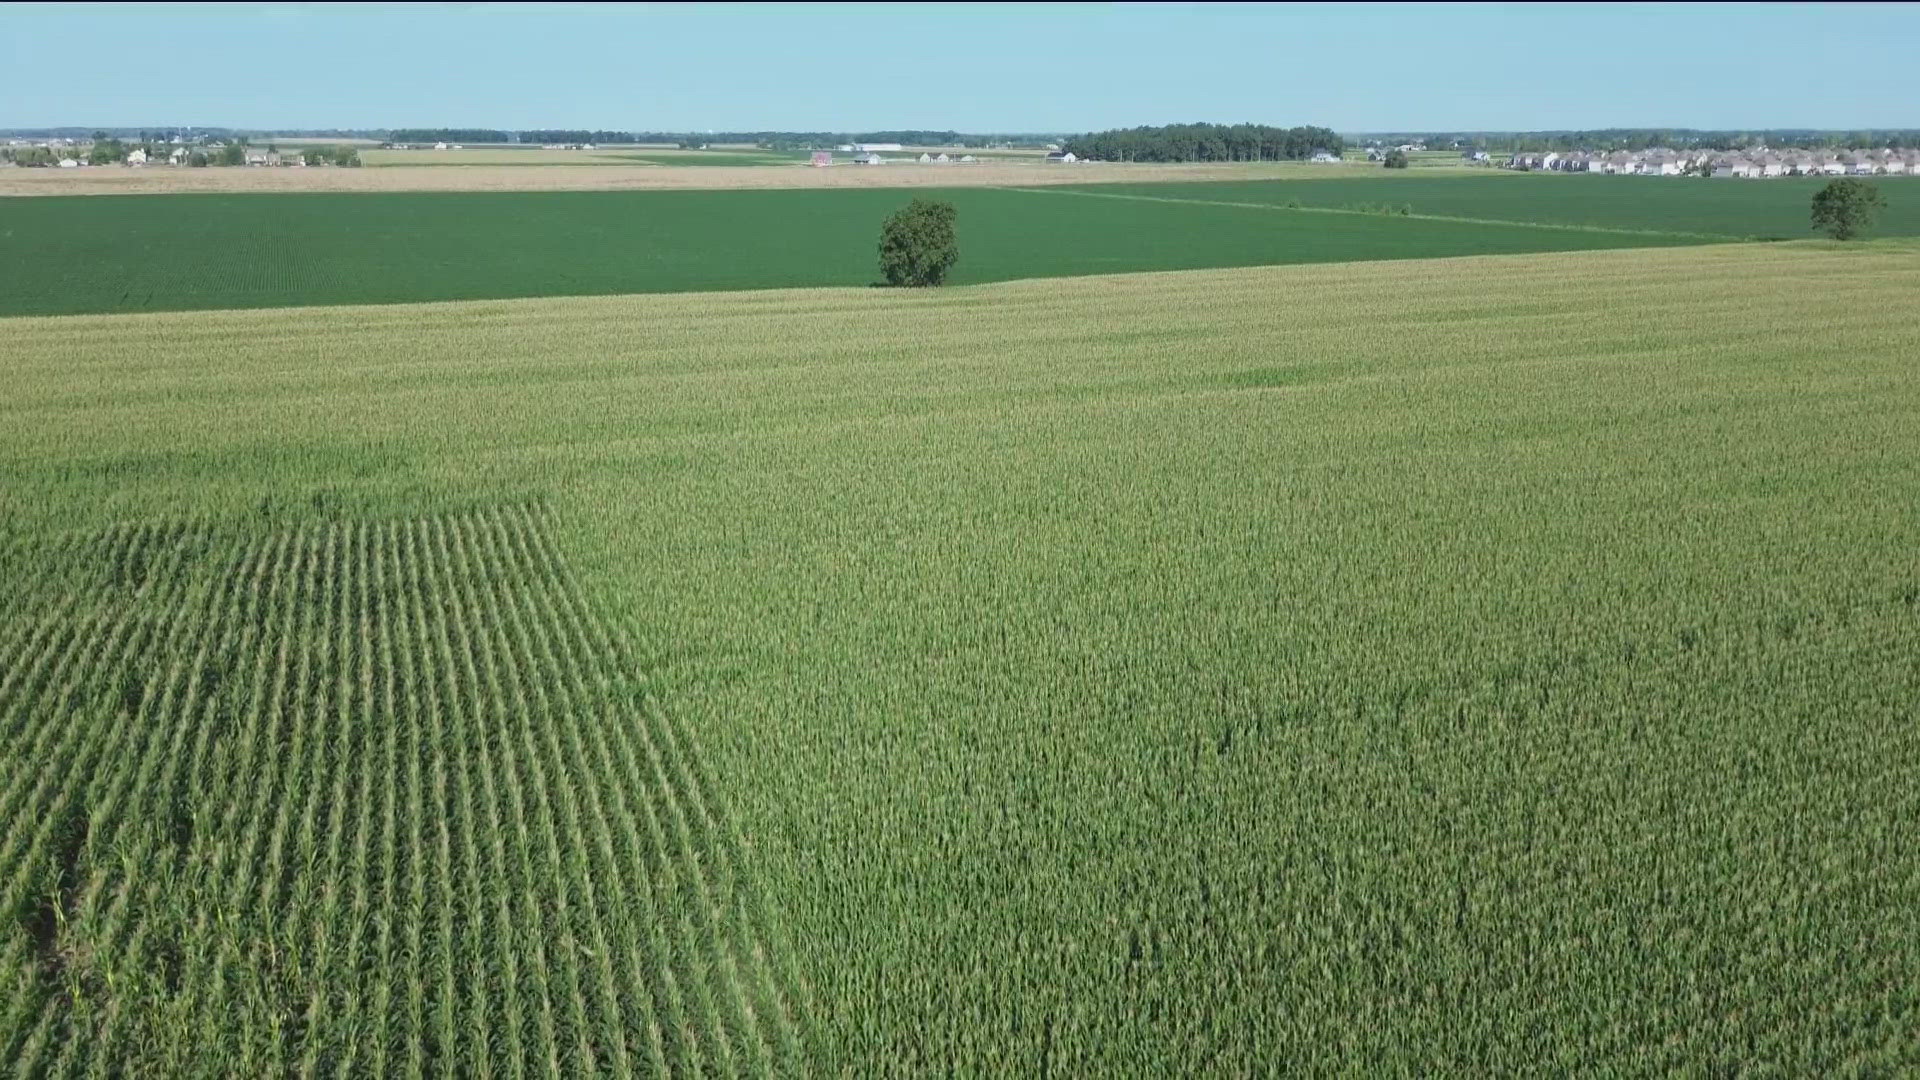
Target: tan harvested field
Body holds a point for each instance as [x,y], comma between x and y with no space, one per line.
[156,181]
[495,156]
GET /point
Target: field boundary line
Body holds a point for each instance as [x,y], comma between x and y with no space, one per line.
[1563,226]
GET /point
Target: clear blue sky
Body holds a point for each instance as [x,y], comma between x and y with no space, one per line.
[973,68]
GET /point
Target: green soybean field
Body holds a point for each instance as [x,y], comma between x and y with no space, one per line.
[87,254]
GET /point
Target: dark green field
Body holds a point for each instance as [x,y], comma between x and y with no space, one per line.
[172,252]
[1766,209]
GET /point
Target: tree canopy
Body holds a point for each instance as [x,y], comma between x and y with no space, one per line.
[917,244]
[1205,142]
[1846,207]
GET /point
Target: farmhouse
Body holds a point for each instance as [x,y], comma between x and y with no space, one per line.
[1325,157]
[137,157]
[869,159]
[1062,156]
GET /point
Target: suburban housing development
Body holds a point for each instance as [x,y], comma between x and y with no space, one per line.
[1755,163]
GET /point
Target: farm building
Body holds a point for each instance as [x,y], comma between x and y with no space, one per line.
[865,147]
[1064,157]
[869,159]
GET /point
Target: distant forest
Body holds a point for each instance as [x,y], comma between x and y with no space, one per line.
[1205,142]
[1643,138]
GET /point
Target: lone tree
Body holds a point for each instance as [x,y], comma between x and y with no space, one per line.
[1396,159]
[916,244]
[1845,207]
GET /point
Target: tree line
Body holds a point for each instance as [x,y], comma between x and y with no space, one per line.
[1205,142]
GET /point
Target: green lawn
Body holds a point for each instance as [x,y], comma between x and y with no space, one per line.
[1771,209]
[168,252]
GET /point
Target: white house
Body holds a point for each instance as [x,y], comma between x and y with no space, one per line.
[869,159]
[1325,157]
[69,163]
[968,159]
[137,157]
[1064,157]
[1894,166]
[439,146]
[941,159]
[926,159]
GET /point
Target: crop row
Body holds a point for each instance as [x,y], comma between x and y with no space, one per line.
[373,797]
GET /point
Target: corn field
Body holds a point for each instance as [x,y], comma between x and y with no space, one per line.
[377,798]
[1498,665]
